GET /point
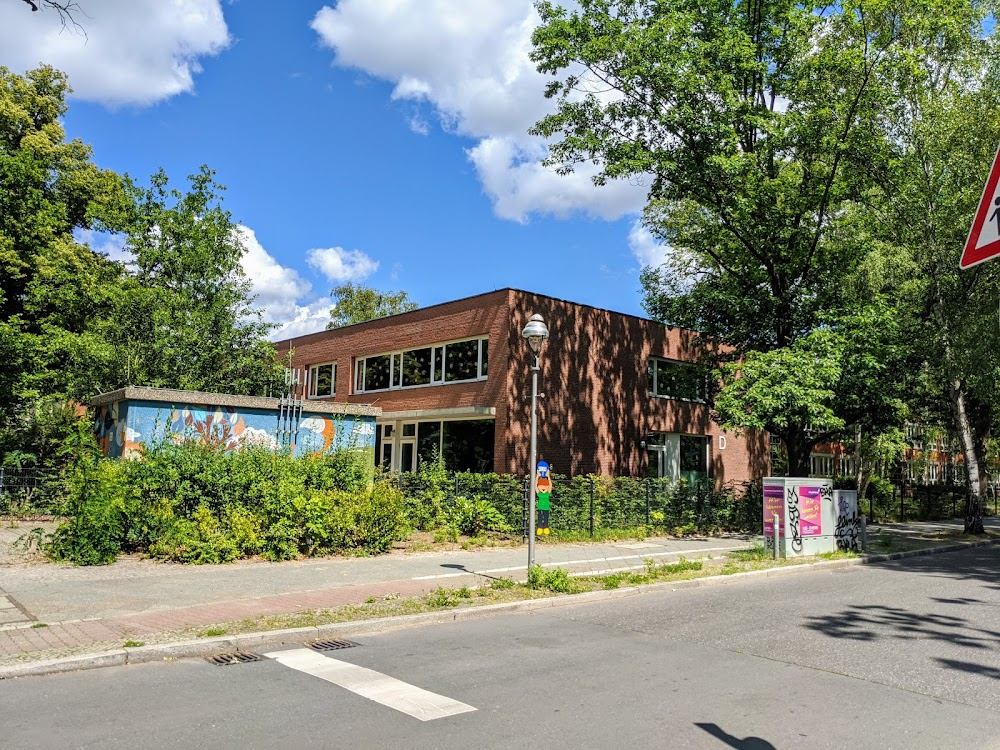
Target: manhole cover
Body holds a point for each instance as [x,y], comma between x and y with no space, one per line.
[331,645]
[239,657]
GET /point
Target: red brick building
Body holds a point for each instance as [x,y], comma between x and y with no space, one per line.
[622,396]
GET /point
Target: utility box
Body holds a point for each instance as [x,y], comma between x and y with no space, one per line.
[807,511]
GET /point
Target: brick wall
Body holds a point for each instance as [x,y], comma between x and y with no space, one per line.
[593,374]
[486,314]
[597,407]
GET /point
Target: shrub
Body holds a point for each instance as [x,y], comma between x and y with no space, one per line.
[370,521]
[94,532]
[472,517]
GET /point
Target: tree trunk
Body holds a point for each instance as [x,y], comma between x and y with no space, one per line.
[974,489]
[798,448]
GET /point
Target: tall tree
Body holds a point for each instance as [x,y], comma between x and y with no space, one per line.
[52,288]
[356,303]
[186,319]
[750,120]
[944,131]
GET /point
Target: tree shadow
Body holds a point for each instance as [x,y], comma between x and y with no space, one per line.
[871,622]
[969,667]
[747,743]
[596,362]
[980,564]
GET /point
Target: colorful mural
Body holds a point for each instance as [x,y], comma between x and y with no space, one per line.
[123,428]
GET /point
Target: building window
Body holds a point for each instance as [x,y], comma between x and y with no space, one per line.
[685,381]
[323,380]
[454,362]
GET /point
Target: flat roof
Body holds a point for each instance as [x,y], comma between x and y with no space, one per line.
[170,395]
[278,343]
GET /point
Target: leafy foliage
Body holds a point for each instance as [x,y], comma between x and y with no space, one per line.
[195,503]
[357,303]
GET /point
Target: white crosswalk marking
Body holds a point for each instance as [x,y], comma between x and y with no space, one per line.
[409,699]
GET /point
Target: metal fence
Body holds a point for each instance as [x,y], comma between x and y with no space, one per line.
[29,491]
[926,502]
[589,504]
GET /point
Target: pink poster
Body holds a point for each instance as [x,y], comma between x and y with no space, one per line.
[810,520]
[774,502]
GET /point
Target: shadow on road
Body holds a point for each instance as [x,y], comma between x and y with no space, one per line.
[978,564]
[968,666]
[747,743]
[869,622]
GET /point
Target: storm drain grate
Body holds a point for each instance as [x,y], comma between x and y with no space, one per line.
[238,657]
[331,645]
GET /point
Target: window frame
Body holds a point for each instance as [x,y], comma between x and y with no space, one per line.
[312,392]
[438,366]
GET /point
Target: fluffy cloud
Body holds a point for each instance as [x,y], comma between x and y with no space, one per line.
[340,265]
[129,52]
[645,247]
[282,295]
[469,61]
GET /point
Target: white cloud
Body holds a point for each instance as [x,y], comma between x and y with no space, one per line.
[340,265]
[282,295]
[645,247]
[519,185]
[130,51]
[469,61]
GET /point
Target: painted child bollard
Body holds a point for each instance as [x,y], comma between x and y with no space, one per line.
[543,498]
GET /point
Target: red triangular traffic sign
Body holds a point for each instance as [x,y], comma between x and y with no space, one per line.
[983,242]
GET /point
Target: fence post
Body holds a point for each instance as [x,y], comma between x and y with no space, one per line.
[647,501]
[902,508]
[864,534]
[456,485]
[592,506]
[953,508]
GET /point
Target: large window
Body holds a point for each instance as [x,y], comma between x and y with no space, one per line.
[454,362]
[323,380]
[681,380]
[464,444]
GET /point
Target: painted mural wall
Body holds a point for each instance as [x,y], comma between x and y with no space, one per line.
[124,428]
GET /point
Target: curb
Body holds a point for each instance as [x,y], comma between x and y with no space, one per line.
[275,638]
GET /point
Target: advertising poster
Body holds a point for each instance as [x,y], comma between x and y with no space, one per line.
[811,519]
[774,502]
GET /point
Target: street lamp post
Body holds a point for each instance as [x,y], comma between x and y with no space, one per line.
[536,333]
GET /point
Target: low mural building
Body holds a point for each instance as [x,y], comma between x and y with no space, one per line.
[128,420]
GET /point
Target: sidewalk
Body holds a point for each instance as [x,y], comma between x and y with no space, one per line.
[99,608]
[50,611]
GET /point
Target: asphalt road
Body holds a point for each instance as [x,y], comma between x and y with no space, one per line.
[899,655]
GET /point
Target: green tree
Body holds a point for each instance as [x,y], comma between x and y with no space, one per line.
[944,129]
[753,122]
[185,319]
[356,303]
[52,288]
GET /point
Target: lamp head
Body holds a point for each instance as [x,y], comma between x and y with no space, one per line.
[535,332]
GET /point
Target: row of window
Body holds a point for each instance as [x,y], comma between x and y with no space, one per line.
[455,362]
[462,361]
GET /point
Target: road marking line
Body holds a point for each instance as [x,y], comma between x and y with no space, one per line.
[676,553]
[409,699]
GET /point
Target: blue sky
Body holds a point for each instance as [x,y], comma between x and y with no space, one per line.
[378,142]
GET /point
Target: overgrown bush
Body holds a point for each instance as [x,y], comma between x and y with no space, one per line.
[472,517]
[192,502]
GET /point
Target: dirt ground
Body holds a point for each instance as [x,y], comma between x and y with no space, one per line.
[14,535]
